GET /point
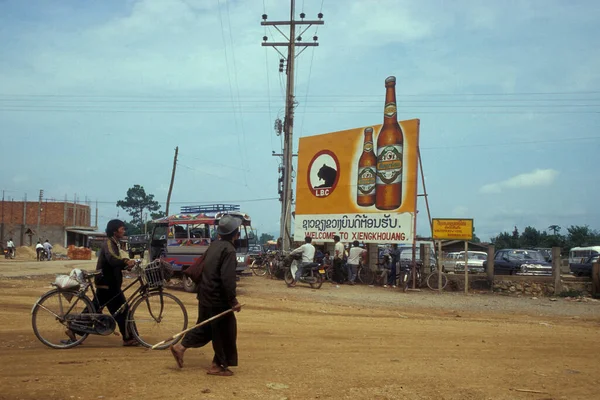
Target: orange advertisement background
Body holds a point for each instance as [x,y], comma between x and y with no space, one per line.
[348,146]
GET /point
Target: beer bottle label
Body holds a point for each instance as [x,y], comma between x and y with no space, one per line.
[366,181]
[389,111]
[389,164]
[368,147]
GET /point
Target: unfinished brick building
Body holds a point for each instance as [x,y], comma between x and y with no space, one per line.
[60,222]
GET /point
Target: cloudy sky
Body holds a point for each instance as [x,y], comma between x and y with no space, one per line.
[96,95]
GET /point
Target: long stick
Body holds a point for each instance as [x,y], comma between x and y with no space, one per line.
[206,321]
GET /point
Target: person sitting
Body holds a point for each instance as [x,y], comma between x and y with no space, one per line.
[308,255]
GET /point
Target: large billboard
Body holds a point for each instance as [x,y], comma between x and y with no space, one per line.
[360,184]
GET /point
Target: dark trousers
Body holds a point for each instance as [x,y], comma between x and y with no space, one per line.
[392,275]
[222,332]
[338,274]
[39,253]
[104,296]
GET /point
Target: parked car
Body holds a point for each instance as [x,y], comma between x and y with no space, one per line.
[475,261]
[449,262]
[253,251]
[584,268]
[520,262]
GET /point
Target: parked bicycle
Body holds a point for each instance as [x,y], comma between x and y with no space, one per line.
[153,313]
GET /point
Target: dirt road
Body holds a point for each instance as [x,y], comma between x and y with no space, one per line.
[334,343]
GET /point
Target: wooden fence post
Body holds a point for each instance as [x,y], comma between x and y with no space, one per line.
[556,270]
[490,265]
[596,280]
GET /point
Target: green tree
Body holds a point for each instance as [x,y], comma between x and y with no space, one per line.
[530,238]
[265,237]
[503,240]
[136,202]
[555,229]
[132,229]
[580,235]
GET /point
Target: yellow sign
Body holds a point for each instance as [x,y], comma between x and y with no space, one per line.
[452,229]
[360,184]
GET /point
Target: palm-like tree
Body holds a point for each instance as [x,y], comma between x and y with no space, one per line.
[555,229]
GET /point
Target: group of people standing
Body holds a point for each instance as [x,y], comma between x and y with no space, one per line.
[346,262]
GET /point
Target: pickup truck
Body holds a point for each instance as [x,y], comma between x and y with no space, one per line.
[137,245]
[584,268]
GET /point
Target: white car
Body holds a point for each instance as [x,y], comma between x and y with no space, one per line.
[449,262]
[475,261]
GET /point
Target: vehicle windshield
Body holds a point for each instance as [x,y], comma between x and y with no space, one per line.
[160,232]
[526,255]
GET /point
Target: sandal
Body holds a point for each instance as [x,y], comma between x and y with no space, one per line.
[130,343]
[178,358]
[220,372]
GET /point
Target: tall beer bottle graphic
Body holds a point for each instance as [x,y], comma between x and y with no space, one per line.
[390,142]
[367,164]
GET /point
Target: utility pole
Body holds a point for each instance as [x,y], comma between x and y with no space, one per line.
[39,211]
[2,230]
[293,41]
[172,180]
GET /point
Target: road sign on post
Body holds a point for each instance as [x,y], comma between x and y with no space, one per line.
[452,229]
[455,229]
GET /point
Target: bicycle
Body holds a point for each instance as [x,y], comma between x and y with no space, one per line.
[433,279]
[67,312]
[260,265]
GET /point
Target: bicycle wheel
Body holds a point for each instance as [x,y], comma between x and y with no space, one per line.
[259,268]
[155,317]
[366,276]
[433,281]
[48,317]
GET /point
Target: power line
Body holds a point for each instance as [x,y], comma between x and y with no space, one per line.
[512,143]
[235,118]
[146,96]
[320,110]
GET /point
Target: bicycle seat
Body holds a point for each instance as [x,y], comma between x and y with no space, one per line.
[90,275]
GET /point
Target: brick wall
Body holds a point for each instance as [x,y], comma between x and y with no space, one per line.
[52,213]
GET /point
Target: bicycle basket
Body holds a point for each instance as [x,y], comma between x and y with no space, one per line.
[157,273]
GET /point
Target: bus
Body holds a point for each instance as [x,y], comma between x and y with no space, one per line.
[181,238]
[578,255]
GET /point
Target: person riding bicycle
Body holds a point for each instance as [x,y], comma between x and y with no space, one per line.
[308,256]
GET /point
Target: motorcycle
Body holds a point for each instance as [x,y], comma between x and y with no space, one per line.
[9,253]
[312,273]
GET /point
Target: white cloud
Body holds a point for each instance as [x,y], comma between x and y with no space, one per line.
[460,211]
[538,177]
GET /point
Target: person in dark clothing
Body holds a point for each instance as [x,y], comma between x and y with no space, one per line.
[108,285]
[217,293]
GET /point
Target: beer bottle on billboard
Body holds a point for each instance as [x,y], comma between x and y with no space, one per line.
[390,141]
[367,164]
